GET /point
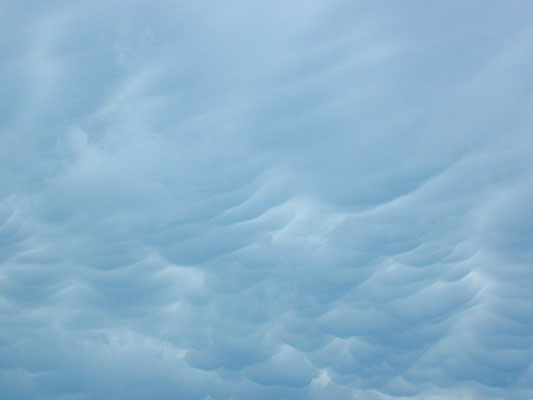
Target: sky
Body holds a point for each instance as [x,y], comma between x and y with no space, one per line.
[323,200]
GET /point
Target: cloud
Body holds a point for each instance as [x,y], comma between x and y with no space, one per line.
[236,201]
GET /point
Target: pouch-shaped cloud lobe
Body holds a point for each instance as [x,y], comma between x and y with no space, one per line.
[266,200]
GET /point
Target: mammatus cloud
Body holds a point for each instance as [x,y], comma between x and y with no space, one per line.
[247,200]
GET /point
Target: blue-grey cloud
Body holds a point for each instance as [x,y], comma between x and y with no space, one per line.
[237,200]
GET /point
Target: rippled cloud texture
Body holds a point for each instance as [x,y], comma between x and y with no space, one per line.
[266,200]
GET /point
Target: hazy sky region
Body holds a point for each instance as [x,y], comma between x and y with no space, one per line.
[266,200]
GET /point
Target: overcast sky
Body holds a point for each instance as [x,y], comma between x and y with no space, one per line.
[263,200]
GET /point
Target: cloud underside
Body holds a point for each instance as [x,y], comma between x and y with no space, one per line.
[242,200]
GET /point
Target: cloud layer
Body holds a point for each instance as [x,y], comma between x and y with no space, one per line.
[261,200]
